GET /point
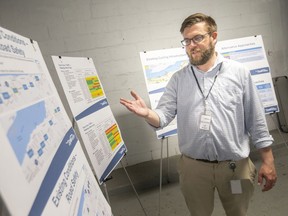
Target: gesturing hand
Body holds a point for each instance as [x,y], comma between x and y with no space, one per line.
[136,106]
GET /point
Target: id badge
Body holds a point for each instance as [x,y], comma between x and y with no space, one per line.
[205,122]
[236,187]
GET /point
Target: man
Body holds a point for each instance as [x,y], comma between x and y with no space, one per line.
[218,112]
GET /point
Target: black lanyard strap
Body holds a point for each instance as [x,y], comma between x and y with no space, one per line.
[205,98]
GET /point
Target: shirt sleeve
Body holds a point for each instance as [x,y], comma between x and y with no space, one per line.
[167,106]
[255,120]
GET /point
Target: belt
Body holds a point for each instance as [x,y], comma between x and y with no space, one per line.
[208,161]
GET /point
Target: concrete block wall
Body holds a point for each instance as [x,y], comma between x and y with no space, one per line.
[113,32]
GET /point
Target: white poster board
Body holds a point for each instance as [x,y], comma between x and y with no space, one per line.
[90,108]
[158,67]
[251,52]
[43,168]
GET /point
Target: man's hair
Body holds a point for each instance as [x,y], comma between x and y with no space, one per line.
[197,18]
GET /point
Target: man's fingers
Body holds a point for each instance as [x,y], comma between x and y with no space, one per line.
[123,101]
[135,95]
[269,183]
[267,186]
[260,179]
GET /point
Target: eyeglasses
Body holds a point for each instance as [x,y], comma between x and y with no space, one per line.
[196,39]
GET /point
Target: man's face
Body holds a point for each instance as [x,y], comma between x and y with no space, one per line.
[199,53]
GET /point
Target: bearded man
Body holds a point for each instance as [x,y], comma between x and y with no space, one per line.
[218,112]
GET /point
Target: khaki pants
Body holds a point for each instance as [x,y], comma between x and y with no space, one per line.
[198,181]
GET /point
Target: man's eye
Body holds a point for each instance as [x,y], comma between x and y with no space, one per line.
[197,38]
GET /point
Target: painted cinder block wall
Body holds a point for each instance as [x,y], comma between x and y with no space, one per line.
[113,32]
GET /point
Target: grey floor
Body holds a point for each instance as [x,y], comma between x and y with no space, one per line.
[124,202]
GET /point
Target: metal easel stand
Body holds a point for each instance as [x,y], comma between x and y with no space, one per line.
[133,187]
[280,133]
[161,170]
[105,189]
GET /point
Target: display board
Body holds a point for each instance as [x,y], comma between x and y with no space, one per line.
[86,97]
[251,52]
[43,168]
[159,65]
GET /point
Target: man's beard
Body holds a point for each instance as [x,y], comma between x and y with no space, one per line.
[205,56]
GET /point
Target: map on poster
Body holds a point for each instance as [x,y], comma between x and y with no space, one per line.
[43,167]
[34,134]
[98,128]
[158,67]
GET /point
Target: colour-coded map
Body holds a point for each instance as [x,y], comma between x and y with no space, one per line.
[94,86]
[113,136]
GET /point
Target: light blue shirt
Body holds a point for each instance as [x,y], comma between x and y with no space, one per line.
[236,111]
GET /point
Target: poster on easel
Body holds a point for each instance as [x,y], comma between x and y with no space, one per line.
[158,67]
[251,52]
[43,168]
[87,100]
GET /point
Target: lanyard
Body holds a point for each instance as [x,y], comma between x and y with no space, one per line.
[205,98]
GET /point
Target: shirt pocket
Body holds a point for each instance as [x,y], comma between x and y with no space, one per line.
[229,97]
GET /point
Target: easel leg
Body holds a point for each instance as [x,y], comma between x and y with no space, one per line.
[133,188]
[106,192]
[280,133]
[168,165]
[160,183]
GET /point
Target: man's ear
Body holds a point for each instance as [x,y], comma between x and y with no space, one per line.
[214,35]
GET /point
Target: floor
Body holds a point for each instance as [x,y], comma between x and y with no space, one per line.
[146,200]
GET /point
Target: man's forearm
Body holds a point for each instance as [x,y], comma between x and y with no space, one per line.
[266,155]
[152,118]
